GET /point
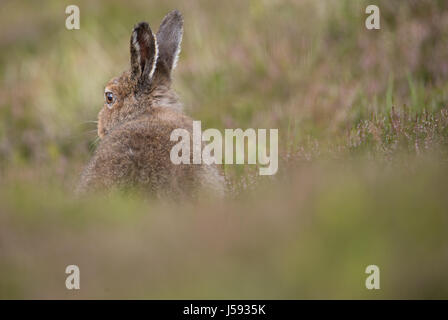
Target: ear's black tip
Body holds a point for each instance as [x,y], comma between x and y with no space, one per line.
[142,26]
[175,12]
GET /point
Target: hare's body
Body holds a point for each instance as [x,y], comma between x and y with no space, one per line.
[137,120]
[137,154]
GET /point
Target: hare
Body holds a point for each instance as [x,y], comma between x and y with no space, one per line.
[139,113]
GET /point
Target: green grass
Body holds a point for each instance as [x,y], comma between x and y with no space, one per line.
[363,133]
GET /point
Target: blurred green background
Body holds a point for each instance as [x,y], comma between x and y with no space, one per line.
[363,140]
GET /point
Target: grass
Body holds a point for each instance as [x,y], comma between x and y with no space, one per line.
[363,132]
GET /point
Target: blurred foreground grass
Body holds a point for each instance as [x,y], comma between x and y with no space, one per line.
[310,236]
[363,124]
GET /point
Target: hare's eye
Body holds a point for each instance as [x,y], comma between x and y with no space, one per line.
[110,99]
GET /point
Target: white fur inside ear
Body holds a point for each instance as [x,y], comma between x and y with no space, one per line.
[156,56]
[176,54]
[136,45]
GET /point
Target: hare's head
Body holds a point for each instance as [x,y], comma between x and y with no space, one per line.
[147,83]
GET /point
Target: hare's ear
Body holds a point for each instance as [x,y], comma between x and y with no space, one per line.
[144,53]
[170,37]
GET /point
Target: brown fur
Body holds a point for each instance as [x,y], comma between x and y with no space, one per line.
[134,151]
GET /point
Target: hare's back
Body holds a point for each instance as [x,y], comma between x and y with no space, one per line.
[144,144]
